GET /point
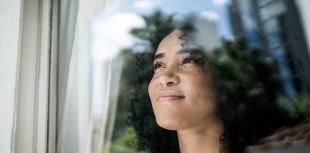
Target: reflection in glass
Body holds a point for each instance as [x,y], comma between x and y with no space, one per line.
[96,78]
[271,10]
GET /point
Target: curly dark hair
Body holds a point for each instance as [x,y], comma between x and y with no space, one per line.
[246,118]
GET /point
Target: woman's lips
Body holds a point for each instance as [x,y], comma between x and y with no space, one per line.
[169,96]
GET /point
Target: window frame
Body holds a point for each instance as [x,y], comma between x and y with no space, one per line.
[35,102]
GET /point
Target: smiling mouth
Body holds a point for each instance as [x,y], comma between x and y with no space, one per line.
[169,98]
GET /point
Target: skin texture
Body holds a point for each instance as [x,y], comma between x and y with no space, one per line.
[182,97]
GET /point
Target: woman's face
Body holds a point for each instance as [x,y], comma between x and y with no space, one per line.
[180,90]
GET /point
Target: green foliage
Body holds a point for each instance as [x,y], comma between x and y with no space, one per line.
[127,75]
[239,67]
[248,85]
[157,26]
[300,107]
[247,82]
[126,143]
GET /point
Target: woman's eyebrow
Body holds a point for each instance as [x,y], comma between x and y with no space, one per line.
[159,55]
[192,51]
[183,51]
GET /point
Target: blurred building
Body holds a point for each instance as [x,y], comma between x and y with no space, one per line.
[304,14]
[244,22]
[277,27]
[207,33]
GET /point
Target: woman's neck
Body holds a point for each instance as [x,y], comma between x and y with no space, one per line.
[201,139]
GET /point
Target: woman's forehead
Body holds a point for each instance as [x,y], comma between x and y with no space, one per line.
[171,42]
[177,41]
[173,36]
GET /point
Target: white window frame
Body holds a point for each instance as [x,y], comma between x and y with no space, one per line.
[30,78]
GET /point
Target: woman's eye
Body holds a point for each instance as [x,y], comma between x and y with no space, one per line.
[188,60]
[157,65]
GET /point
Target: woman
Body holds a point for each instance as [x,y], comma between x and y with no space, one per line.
[182,96]
[194,109]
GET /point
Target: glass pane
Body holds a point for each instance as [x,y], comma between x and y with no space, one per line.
[263,2]
[145,75]
[273,9]
[271,26]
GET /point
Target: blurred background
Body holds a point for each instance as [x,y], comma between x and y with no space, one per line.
[97,63]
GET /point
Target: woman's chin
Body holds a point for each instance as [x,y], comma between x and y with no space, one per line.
[168,124]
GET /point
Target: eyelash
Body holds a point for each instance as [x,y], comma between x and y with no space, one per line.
[194,60]
[185,60]
[188,60]
[157,65]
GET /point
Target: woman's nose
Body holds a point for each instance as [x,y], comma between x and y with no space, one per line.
[169,77]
